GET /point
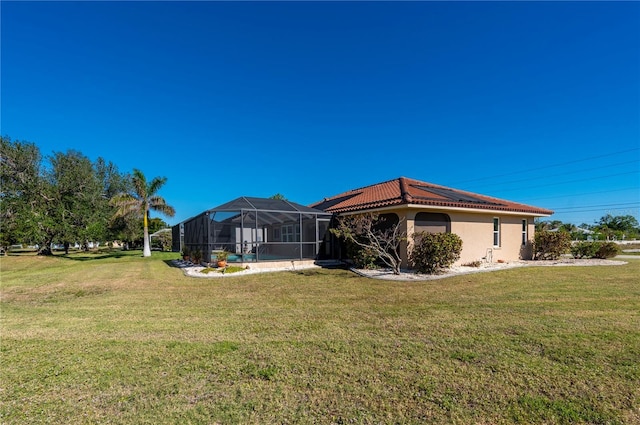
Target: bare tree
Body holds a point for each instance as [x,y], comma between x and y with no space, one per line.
[375,233]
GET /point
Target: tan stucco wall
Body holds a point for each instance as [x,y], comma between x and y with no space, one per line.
[476,231]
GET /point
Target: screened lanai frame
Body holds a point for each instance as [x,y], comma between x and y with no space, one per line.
[259,229]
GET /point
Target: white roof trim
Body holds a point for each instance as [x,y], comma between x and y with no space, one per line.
[442,208]
[168,229]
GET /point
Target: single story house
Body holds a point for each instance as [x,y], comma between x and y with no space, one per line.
[491,229]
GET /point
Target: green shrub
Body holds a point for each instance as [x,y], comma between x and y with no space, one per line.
[362,257]
[551,245]
[197,256]
[433,252]
[585,249]
[607,250]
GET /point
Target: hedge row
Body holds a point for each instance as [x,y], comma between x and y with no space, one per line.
[595,250]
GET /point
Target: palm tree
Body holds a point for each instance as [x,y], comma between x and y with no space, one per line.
[143,199]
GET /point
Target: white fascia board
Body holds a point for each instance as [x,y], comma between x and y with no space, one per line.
[444,209]
[477,210]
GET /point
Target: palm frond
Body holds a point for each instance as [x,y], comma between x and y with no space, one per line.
[139,184]
[158,203]
[125,204]
[155,185]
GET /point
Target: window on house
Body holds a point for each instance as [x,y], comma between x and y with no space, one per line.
[290,233]
[432,223]
[524,232]
[386,222]
[496,231]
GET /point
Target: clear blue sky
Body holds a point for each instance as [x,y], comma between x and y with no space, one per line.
[535,102]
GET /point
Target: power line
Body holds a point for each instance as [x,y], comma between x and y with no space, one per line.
[547,166]
[564,174]
[583,194]
[601,205]
[579,211]
[625,208]
[572,181]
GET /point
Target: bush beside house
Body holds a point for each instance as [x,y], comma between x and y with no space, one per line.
[549,245]
[434,252]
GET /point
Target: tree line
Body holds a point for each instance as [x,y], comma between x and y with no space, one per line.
[609,227]
[66,198]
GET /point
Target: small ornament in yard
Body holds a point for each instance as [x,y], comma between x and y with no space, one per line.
[222,258]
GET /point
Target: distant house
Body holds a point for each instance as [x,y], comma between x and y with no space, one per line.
[491,229]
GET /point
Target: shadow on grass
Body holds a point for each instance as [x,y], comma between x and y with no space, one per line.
[176,264]
[319,271]
[102,255]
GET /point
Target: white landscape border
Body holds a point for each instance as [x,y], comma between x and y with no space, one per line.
[485,267]
[192,270]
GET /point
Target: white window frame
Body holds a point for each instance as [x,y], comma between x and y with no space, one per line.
[290,233]
[496,232]
[525,231]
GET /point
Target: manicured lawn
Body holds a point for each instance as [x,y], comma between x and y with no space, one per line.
[126,340]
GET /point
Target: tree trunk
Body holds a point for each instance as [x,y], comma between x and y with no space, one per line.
[146,252]
[45,249]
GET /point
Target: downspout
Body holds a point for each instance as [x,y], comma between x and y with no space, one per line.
[406,198]
[209,242]
[300,221]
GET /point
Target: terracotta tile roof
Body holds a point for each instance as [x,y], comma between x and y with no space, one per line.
[405,191]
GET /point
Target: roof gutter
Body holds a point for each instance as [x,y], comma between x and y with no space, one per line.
[480,210]
[445,209]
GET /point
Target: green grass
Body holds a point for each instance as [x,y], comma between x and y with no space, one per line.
[116,338]
[223,270]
